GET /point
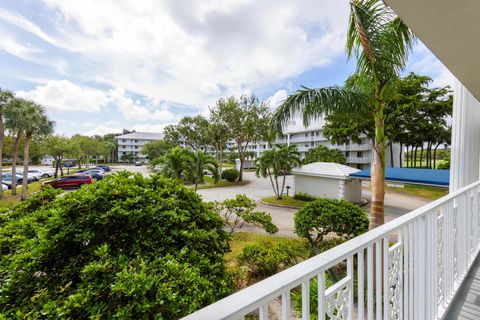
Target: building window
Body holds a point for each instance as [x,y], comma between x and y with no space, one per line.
[136,147]
[307,145]
[306,134]
[359,154]
[124,152]
[136,141]
[123,140]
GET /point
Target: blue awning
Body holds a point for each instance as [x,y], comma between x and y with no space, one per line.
[440,178]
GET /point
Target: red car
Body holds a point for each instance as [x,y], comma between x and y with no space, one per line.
[75,181]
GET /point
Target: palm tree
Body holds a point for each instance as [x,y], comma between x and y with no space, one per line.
[36,124]
[174,163]
[6,97]
[15,117]
[277,162]
[381,43]
[324,154]
[198,164]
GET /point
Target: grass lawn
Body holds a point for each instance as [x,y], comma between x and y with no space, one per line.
[242,239]
[286,201]
[209,183]
[422,191]
[10,200]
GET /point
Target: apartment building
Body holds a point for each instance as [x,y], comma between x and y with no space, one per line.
[132,143]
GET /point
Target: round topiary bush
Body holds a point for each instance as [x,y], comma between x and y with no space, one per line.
[230,175]
[127,247]
[323,216]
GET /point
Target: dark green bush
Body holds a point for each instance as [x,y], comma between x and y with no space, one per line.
[267,258]
[323,216]
[230,175]
[444,165]
[127,247]
[304,197]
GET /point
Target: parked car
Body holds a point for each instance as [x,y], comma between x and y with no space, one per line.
[42,173]
[4,187]
[7,179]
[73,181]
[69,164]
[101,169]
[31,177]
[105,167]
[138,163]
[95,175]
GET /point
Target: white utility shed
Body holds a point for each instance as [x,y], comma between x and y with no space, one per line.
[327,180]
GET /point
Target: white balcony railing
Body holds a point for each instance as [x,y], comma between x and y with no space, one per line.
[352,159]
[409,268]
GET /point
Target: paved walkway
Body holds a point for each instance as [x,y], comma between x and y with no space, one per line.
[395,204]
[466,304]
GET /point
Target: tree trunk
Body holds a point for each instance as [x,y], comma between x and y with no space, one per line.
[377,217]
[241,155]
[435,156]
[56,166]
[401,154]
[391,155]
[26,149]
[415,157]
[421,156]
[14,161]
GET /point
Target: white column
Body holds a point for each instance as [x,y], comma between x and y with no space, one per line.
[465,156]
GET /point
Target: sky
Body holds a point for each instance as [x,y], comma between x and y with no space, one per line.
[100,66]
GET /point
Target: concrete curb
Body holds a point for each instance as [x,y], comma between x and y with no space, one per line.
[279,205]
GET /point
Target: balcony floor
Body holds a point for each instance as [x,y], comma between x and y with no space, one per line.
[466,305]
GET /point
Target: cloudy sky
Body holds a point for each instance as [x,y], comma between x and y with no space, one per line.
[100,66]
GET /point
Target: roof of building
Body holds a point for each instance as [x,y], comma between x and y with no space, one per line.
[413,176]
[325,169]
[142,135]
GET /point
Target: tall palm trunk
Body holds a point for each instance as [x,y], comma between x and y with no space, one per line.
[378,172]
[26,149]
[16,146]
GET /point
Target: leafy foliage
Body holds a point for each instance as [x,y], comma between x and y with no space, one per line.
[156,149]
[267,258]
[303,197]
[324,154]
[230,174]
[240,210]
[127,247]
[198,163]
[323,216]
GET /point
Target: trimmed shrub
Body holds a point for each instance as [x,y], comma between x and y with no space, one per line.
[127,247]
[304,197]
[268,258]
[323,216]
[230,175]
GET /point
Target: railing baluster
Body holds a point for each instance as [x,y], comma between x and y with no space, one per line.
[263,312]
[321,295]
[286,305]
[360,284]
[405,286]
[370,288]
[411,270]
[400,273]
[386,284]
[306,300]
[378,280]
[434,260]
[350,285]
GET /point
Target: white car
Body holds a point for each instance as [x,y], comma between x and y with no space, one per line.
[31,176]
[4,187]
[42,173]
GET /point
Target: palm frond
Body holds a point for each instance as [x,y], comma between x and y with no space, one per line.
[314,103]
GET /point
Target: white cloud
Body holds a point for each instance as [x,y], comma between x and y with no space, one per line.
[426,63]
[149,127]
[277,99]
[194,52]
[62,95]
[102,130]
[22,51]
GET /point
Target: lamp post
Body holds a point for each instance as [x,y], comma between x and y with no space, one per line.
[288,189]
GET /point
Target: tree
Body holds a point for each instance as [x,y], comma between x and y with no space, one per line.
[324,154]
[129,247]
[218,137]
[323,216]
[190,131]
[36,124]
[59,147]
[174,164]
[240,210]
[246,120]
[381,43]
[197,164]
[277,162]
[155,149]
[6,97]
[15,117]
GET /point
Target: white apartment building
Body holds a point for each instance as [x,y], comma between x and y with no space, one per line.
[359,155]
[132,143]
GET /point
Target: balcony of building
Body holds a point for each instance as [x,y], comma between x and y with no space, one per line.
[422,265]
